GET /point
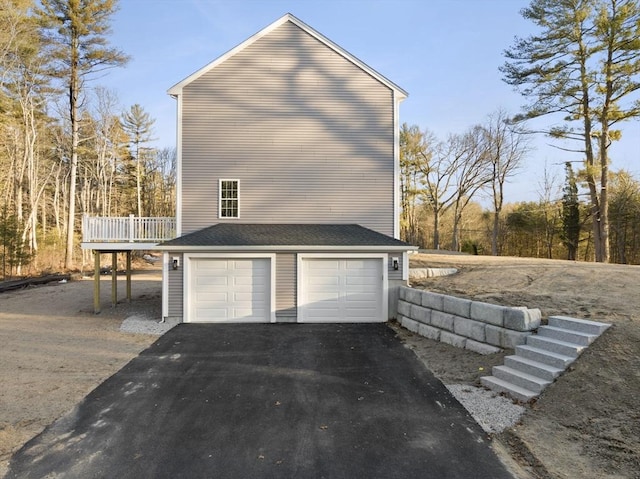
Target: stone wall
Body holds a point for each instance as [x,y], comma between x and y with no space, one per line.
[481,327]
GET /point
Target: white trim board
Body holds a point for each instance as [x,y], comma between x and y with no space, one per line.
[165,285]
[331,250]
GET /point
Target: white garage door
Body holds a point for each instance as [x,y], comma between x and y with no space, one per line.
[346,290]
[232,290]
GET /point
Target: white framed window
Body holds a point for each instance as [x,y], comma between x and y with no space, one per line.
[229,199]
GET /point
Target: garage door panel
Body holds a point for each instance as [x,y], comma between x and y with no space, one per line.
[324,281]
[211,265]
[204,313]
[371,279]
[206,297]
[361,297]
[361,264]
[324,266]
[230,289]
[243,313]
[342,289]
[249,282]
[319,296]
[320,312]
[206,281]
[244,265]
[248,298]
[362,312]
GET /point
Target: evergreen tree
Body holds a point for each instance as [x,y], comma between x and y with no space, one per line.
[570,213]
[75,33]
[585,65]
[138,124]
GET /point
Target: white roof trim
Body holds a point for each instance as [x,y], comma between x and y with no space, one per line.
[307,248]
[177,88]
[118,246]
[301,248]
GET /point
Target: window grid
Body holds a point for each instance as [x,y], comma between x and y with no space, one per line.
[229,199]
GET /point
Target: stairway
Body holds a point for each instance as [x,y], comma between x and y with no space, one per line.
[543,358]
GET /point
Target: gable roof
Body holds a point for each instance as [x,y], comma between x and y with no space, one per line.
[177,88]
[284,236]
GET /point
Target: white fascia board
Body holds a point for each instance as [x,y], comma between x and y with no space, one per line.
[179,166]
[165,285]
[396,168]
[176,89]
[223,249]
[124,246]
[405,266]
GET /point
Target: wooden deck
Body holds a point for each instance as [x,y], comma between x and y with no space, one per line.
[130,232]
[122,235]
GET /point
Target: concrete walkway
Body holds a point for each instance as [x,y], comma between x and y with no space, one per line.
[266,401]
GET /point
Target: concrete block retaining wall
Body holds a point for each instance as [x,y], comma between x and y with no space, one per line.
[481,327]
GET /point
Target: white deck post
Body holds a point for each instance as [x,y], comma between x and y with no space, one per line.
[131,229]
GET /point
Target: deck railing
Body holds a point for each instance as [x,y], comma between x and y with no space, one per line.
[129,229]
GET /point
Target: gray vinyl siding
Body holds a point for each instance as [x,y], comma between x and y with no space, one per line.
[286,286]
[176,282]
[392,273]
[309,135]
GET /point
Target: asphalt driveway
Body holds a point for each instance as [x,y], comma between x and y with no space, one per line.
[266,401]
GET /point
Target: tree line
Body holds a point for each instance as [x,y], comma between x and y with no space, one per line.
[581,70]
[67,147]
[556,225]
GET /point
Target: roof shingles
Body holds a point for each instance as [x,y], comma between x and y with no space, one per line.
[251,235]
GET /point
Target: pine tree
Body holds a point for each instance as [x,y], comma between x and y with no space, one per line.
[138,124]
[570,213]
[75,33]
[585,65]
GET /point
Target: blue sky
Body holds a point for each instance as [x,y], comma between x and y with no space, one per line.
[445,53]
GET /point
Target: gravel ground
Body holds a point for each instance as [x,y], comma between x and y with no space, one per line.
[141,324]
[493,412]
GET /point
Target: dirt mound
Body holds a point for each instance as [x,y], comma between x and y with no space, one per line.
[587,424]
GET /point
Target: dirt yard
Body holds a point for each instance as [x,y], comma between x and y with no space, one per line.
[54,350]
[587,424]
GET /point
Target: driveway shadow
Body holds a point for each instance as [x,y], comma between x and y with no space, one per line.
[266,401]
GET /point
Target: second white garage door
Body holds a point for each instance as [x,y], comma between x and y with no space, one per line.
[229,290]
[341,290]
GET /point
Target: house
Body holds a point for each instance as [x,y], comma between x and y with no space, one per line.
[287,200]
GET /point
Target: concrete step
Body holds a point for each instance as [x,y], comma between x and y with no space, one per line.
[555,346]
[580,325]
[556,360]
[520,379]
[498,385]
[534,368]
[566,335]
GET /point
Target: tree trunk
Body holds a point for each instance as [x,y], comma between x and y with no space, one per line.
[73,112]
[455,240]
[495,233]
[436,229]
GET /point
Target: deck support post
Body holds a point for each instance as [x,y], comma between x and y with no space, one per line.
[114,279]
[96,282]
[128,276]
